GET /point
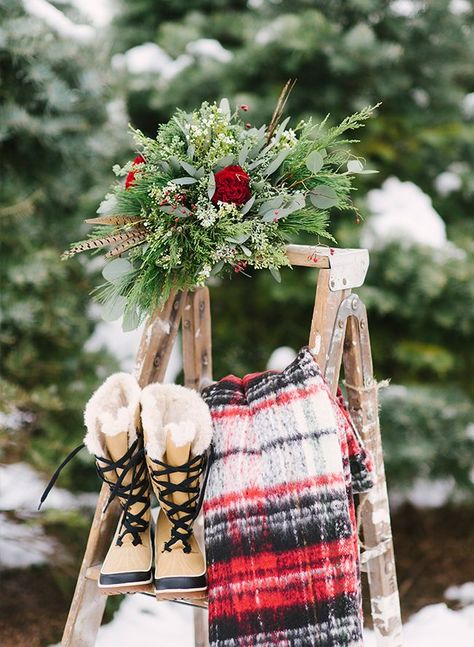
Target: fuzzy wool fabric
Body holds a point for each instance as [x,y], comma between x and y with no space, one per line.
[280,528]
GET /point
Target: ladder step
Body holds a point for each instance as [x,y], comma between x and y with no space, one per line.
[374,552]
[92,573]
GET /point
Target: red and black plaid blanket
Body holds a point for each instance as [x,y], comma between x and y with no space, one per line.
[281,537]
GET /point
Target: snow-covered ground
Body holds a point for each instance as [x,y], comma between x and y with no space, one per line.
[141,618]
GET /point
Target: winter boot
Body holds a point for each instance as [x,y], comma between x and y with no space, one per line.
[112,418]
[177,432]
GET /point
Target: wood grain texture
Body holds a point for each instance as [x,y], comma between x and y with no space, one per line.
[378,556]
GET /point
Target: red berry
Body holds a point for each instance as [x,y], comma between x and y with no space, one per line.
[244,107]
[248,125]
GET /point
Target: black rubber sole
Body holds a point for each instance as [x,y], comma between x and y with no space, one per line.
[125,579]
[164,584]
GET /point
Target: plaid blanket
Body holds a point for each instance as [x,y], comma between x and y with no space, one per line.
[280,529]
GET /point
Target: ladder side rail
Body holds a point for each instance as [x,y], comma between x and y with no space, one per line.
[88,603]
[374,513]
[197,366]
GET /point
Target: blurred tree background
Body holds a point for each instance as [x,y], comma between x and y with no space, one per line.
[68,87]
[60,132]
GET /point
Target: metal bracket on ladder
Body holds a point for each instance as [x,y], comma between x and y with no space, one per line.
[339,334]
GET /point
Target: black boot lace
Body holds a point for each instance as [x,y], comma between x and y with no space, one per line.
[181,515]
[137,491]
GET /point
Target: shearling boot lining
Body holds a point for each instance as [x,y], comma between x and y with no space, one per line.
[179,411]
[111,410]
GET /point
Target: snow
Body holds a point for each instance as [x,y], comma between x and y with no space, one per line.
[99,12]
[280,358]
[463,594]
[149,58]
[435,626]
[59,22]
[140,617]
[424,493]
[209,48]
[21,488]
[447,182]
[460,7]
[406,8]
[403,213]
[23,545]
[468,104]
[124,345]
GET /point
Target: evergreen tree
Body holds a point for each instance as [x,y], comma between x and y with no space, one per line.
[57,141]
[417,60]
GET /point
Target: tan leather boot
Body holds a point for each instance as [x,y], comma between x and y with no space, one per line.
[114,437]
[177,431]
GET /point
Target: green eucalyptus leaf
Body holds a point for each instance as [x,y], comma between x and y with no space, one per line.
[115,270]
[256,163]
[355,166]
[268,205]
[314,162]
[238,239]
[323,197]
[191,150]
[248,205]
[184,180]
[179,211]
[275,273]
[174,163]
[224,161]
[131,319]
[246,251]
[211,185]
[217,268]
[114,308]
[276,162]
[189,168]
[224,106]
[243,154]
[200,173]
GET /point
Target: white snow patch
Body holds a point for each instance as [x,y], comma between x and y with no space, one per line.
[149,58]
[15,419]
[468,104]
[424,493]
[140,618]
[463,594]
[124,345]
[100,12]
[447,182]
[280,358]
[209,48]
[21,488]
[402,213]
[421,97]
[460,7]
[405,8]
[117,112]
[434,626]
[22,545]
[58,21]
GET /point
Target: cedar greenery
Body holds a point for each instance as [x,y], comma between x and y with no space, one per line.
[165,232]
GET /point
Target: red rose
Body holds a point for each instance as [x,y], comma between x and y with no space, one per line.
[130,179]
[232,185]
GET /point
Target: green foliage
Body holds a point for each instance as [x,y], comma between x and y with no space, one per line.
[428,434]
[53,126]
[173,230]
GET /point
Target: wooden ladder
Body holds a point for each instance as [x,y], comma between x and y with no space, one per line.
[339,336]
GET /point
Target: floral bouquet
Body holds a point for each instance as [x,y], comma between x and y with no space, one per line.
[213,194]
